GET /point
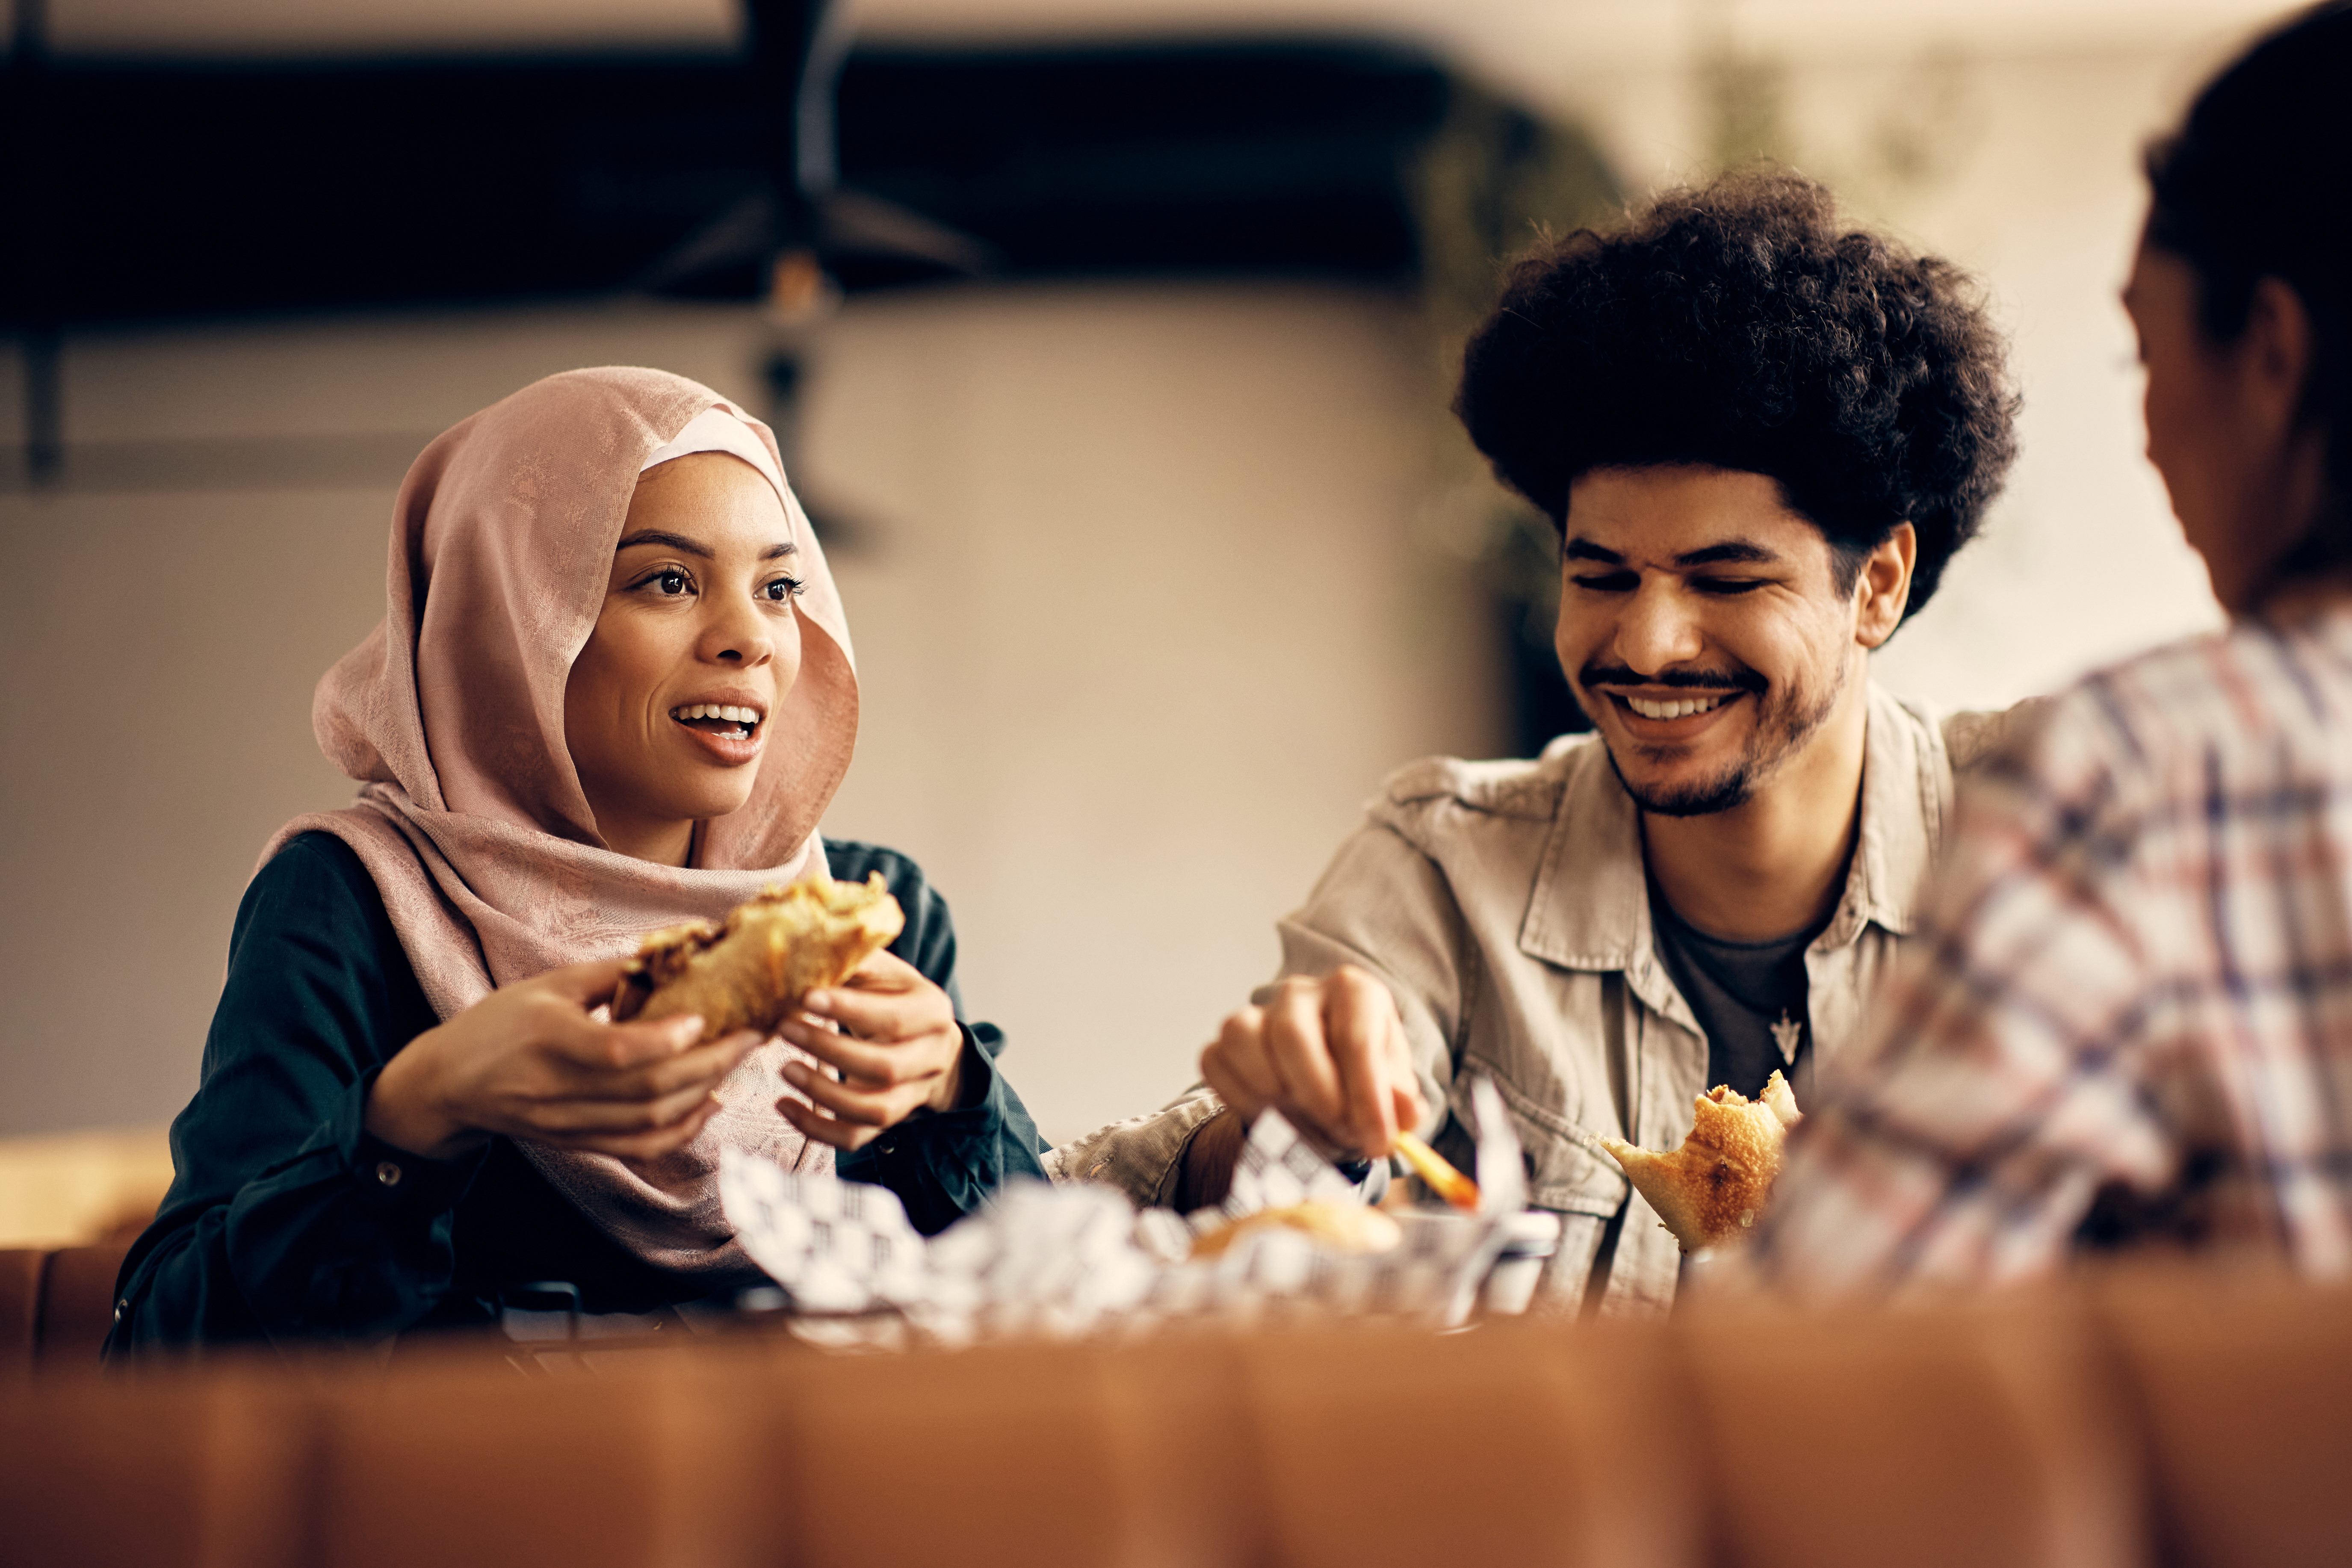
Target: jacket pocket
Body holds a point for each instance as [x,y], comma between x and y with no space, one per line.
[1566,1171]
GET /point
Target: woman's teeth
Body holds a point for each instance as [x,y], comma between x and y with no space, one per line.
[719,719]
[1682,710]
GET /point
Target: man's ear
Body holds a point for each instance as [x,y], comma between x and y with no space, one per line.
[2274,355]
[1883,586]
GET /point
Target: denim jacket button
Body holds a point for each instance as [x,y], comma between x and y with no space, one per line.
[387,1172]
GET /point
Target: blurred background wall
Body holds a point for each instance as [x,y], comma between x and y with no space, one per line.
[1156,561]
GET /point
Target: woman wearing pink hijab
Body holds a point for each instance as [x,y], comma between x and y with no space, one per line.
[613,690]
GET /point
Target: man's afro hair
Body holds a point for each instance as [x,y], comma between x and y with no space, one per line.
[1738,326]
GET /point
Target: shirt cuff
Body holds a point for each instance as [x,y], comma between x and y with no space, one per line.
[392,1180]
[395,1179]
[944,1164]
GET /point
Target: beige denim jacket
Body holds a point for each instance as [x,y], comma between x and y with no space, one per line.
[1507,906]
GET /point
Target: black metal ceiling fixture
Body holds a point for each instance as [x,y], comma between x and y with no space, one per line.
[148,189]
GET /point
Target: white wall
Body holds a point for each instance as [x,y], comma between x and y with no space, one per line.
[1149,622]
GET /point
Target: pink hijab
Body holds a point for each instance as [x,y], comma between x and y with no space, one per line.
[471,817]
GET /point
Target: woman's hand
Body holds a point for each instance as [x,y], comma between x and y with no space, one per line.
[898,1050]
[527,1061]
[1329,1052]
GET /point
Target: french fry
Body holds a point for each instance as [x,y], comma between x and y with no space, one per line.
[1443,1180]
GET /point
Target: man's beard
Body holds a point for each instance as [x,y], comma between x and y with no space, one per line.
[1786,719]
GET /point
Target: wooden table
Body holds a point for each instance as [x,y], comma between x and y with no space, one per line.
[2123,1420]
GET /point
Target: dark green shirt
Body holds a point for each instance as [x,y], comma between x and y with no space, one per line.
[1750,998]
[278,1225]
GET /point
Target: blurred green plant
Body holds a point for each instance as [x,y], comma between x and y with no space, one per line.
[1494,181]
[1922,133]
[1914,139]
[1746,95]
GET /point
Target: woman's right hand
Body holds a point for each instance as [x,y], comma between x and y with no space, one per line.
[527,1061]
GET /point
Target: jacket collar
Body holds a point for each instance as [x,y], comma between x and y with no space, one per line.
[1590,905]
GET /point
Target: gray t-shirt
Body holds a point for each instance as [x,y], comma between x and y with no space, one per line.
[1750,999]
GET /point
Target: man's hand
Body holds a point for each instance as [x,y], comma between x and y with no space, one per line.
[898,1050]
[529,1061]
[1329,1053]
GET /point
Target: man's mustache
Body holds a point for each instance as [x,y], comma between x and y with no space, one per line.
[1593,675]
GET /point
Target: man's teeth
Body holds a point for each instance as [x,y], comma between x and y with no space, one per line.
[715,710]
[1682,710]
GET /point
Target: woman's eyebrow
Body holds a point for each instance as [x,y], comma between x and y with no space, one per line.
[775,551]
[663,536]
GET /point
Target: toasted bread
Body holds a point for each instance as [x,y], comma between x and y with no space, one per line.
[750,969]
[1711,1189]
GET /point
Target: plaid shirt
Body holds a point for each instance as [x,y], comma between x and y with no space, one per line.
[2130,1004]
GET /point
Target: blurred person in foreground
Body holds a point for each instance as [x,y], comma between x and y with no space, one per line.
[1762,436]
[2132,1017]
[613,691]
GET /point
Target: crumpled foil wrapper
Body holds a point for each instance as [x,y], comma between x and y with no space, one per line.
[1066,1262]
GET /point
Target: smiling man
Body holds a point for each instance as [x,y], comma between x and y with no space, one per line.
[1761,435]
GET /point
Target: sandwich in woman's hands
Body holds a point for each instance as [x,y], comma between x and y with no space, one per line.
[1711,1189]
[750,969]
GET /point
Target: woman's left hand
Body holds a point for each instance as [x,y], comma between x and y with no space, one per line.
[898,1050]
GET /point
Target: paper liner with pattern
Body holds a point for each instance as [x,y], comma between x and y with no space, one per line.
[1710,1190]
[750,969]
[1078,1259]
